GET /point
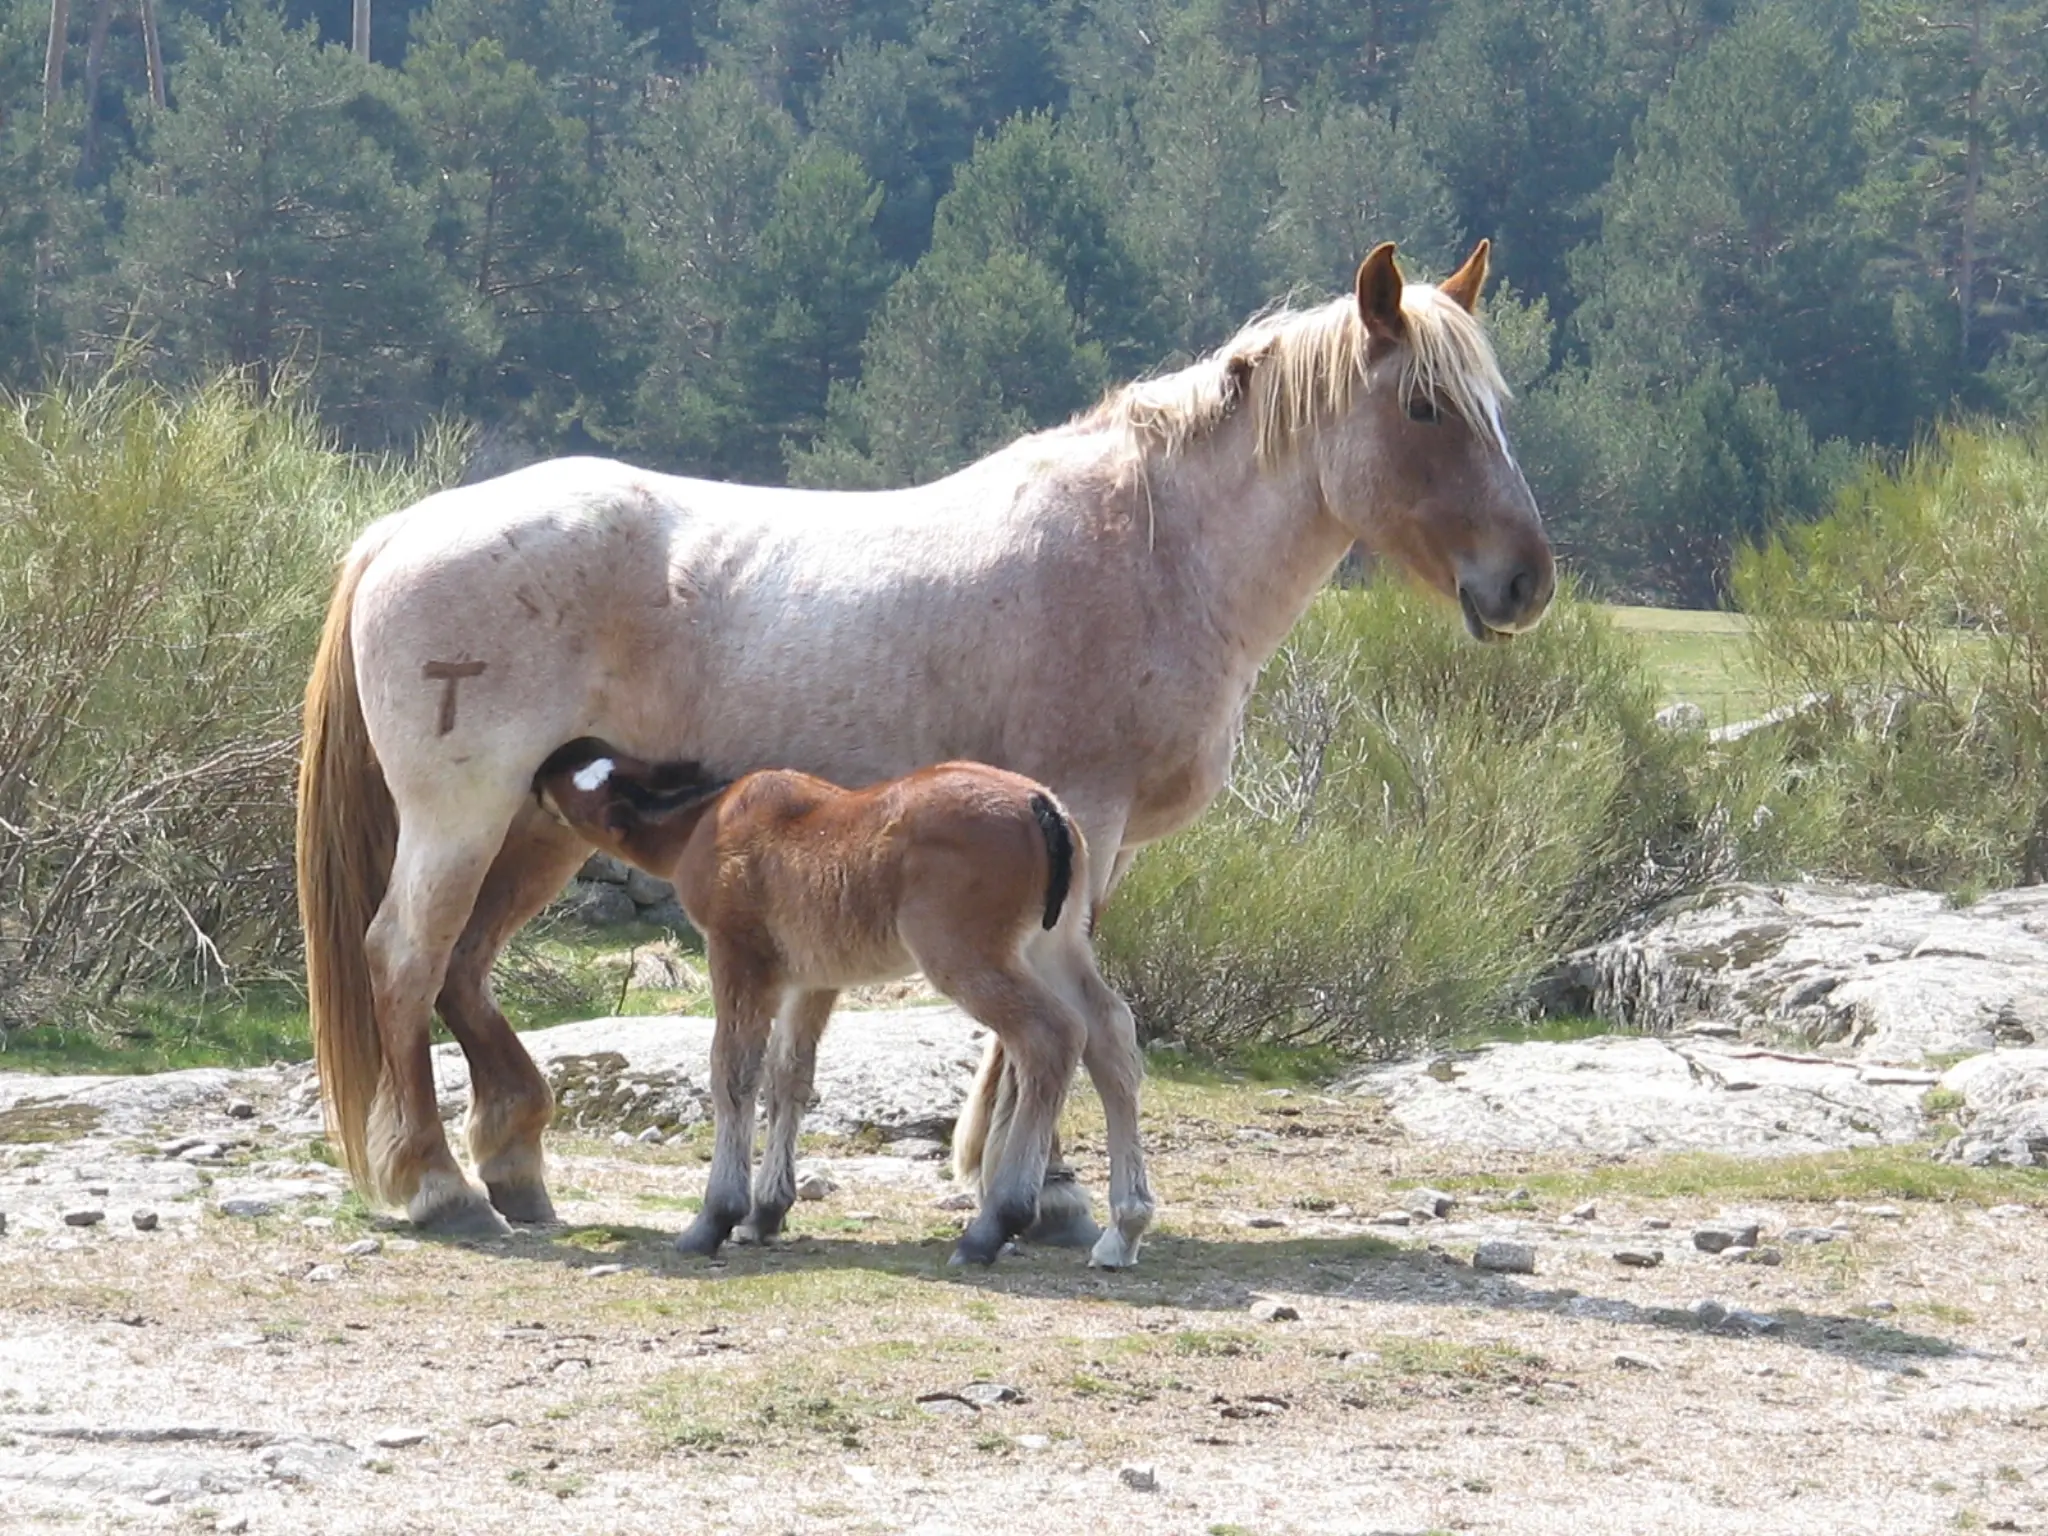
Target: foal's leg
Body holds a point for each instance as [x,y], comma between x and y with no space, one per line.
[792,1060]
[746,1008]
[425,906]
[510,1103]
[1042,1038]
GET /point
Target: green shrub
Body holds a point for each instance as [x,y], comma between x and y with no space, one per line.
[1915,616]
[1417,825]
[164,563]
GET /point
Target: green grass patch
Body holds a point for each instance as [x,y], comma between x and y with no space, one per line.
[1864,1173]
[1701,657]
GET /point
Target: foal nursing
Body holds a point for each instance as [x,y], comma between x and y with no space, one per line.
[973,875]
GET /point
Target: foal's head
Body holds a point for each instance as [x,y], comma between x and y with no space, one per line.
[641,811]
[1419,468]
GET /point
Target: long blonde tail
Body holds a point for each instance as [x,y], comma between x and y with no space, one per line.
[347,838]
[970,1132]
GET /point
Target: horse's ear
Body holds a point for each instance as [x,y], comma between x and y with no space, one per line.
[1463,285]
[1379,294]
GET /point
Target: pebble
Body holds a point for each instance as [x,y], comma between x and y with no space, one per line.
[1809,1235]
[1520,1195]
[145,1221]
[920,1149]
[1715,1239]
[1881,1308]
[363,1247]
[601,1271]
[85,1216]
[1656,1224]
[991,1394]
[816,1186]
[1265,1222]
[245,1205]
[1708,1313]
[1505,1258]
[1882,1212]
[1429,1202]
[157,1496]
[1139,1479]
[201,1152]
[1586,1212]
[2002,1212]
[1636,1363]
[1752,1322]
[1391,1219]
[1639,1258]
[325,1274]
[231,1525]
[3,1223]
[1275,1312]
[622,1138]
[1033,1442]
[1770,1258]
[652,1136]
[963,1201]
[241,1109]
[399,1439]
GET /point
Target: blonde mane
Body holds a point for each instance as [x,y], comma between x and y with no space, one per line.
[1297,369]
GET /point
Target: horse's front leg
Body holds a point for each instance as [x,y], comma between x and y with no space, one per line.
[792,1063]
[746,1008]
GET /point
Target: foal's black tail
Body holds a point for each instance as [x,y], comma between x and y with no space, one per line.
[1059,847]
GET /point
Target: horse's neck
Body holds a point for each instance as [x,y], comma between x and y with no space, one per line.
[1258,541]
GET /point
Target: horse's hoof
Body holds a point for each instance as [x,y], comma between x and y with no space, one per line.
[1112,1252]
[472,1217]
[526,1203]
[1063,1225]
[700,1240]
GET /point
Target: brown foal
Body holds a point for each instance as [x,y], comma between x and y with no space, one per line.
[974,875]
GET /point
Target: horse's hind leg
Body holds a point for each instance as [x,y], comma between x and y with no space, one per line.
[746,1008]
[1117,1068]
[509,1100]
[1042,1038]
[425,907]
[792,1061]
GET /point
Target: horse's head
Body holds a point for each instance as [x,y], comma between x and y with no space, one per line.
[1421,472]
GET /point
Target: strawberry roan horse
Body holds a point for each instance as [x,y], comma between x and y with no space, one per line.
[1089,606]
[971,874]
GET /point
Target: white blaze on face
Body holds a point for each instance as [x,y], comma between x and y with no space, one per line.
[593,775]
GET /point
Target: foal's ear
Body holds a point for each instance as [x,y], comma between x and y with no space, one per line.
[1462,286]
[1379,295]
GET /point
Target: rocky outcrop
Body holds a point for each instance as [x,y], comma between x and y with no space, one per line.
[2000,1101]
[1887,975]
[608,893]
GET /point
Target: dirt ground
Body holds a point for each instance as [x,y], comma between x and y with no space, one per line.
[226,1373]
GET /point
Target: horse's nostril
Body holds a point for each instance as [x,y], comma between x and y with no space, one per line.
[1521,589]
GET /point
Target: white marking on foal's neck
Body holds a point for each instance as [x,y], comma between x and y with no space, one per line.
[593,775]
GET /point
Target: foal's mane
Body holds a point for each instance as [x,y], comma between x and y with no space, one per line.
[1297,369]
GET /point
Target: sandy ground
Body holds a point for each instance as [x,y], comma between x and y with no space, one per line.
[227,1373]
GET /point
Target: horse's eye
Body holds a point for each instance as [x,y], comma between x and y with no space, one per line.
[1422,408]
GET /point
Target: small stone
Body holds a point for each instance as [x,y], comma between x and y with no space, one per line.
[1882,1212]
[962,1201]
[177,1146]
[1714,1239]
[1881,1308]
[622,1138]
[946,1404]
[1739,1254]
[2006,1212]
[362,1248]
[1586,1212]
[991,1394]
[1656,1224]
[145,1221]
[157,1496]
[1770,1258]
[1809,1235]
[1708,1313]
[652,1136]
[1275,1312]
[241,1109]
[1033,1442]
[1520,1195]
[97,1191]
[816,1186]
[85,1216]
[1636,1363]
[1752,1322]
[3,1223]
[1391,1219]
[231,1525]
[602,1271]
[1139,1479]
[399,1439]
[1505,1258]
[1639,1258]
[203,1152]
[317,1223]
[245,1205]
[1265,1223]
[325,1274]
[919,1149]
[1429,1202]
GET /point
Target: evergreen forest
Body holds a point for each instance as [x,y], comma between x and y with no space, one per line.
[1739,247]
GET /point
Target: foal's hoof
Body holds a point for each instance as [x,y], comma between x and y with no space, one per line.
[526,1203]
